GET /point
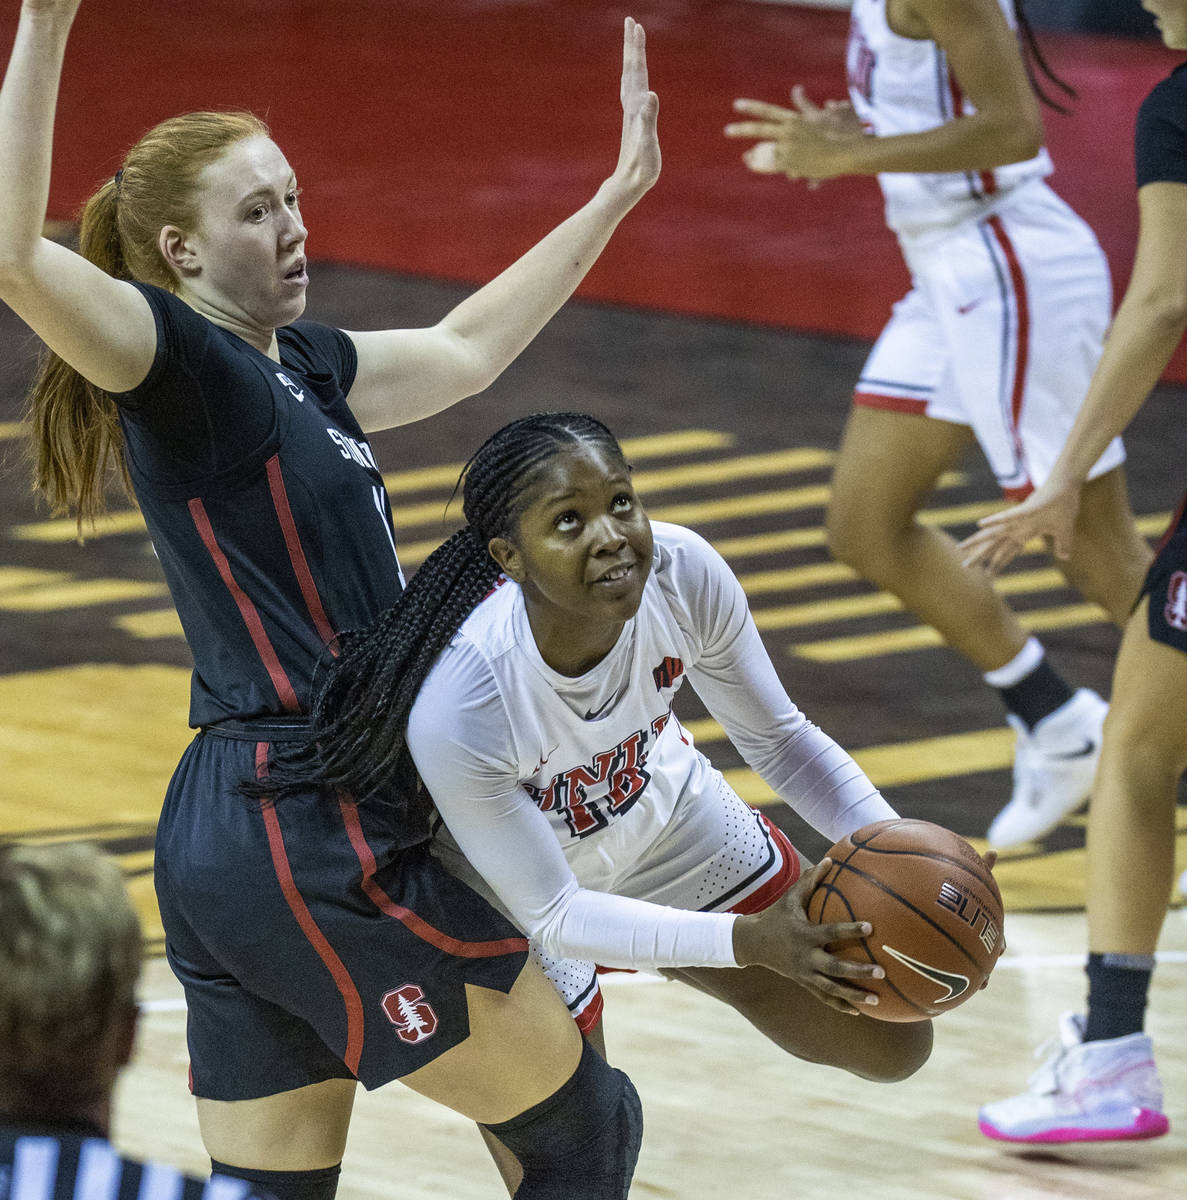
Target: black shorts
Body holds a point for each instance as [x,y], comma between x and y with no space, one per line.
[311,944]
[1166,585]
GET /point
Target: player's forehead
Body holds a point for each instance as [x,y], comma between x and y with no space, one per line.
[574,470]
[245,168]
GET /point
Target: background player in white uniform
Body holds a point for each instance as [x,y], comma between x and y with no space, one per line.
[536,706]
[1101,1082]
[996,342]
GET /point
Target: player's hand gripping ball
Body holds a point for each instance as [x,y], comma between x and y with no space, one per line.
[935,908]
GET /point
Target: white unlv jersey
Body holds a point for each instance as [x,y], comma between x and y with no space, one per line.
[903,85]
[559,790]
[602,754]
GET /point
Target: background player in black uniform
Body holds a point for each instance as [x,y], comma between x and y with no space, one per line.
[1103,1083]
[318,942]
[69,961]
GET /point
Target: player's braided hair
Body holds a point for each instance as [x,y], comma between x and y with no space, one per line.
[1033,56]
[360,710]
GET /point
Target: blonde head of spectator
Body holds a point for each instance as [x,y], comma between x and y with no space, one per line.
[70,954]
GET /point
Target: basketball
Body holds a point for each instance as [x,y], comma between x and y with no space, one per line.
[935,908]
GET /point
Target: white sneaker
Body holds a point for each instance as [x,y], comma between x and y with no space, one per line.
[1103,1091]
[1054,765]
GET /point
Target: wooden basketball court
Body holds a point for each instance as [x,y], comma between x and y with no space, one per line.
[694,354]
[728,1115]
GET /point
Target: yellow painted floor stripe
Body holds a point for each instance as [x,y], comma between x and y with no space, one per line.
[759,583]
[727,470]
[873,604]
[660,445]
[65,529]
[79,593]
[752,545]
[899,763]
[920,637]
[156,623]
[13,578]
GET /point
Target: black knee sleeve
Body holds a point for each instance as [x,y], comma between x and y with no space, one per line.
[582,1142]
[285,1185]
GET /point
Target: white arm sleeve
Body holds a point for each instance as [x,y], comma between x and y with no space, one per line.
[736,680]
[461,741]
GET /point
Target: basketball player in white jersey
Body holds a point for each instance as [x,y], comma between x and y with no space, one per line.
[527,676]
[995,342]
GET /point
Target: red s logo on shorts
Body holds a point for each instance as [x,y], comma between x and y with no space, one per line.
[409,1011]
[1176,602]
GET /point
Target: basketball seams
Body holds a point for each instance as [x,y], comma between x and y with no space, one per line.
[927,892]
[910,906]
[887,982]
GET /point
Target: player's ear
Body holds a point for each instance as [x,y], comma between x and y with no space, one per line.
[508,558]
[176,250]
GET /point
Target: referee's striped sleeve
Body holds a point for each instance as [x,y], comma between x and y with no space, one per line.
[224,1187]
[160,1182]
[97,1176]
[34,1169]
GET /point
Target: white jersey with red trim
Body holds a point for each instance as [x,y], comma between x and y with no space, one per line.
[903,85]
[559,790]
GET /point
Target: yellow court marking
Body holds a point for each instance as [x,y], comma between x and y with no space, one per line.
[65,529]
[155,623]
[730,470]
[32,590]
[79,593]
[660,445]
[895,764]
[923,637]
[14,578]
[88,752]
[751,545]
[876,603]
[759,583]
[89,743]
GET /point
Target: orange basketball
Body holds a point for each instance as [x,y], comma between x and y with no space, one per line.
[935,908]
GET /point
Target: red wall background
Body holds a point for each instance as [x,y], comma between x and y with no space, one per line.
[442,138]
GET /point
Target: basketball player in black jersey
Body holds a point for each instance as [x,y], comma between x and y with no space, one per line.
[1102,1084]
[318,943]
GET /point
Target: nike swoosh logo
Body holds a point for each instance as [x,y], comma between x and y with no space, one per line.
[540,764]
[956,985]
[967,308]
[1088,748]
[593,715]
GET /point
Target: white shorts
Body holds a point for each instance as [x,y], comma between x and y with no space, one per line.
[717,854]
[1001,331]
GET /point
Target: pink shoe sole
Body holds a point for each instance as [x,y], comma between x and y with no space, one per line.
[1146,1124]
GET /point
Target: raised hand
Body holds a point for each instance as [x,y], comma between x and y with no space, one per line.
[807,142]
[638,157]
[62,8]
[1050,511]
[782,938]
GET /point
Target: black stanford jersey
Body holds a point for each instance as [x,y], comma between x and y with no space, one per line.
[1160,143]
[263,501]
[50,1163]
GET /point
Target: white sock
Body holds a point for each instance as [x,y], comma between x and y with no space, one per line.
[1019,667]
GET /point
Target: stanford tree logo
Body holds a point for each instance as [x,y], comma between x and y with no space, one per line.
[409,1011]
